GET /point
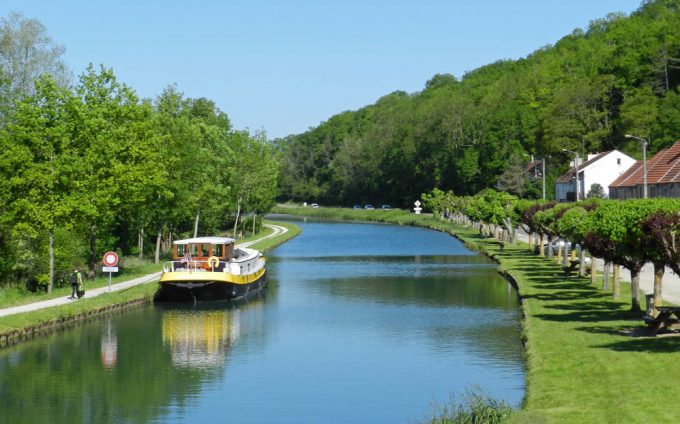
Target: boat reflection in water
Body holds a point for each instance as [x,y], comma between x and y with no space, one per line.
[201,336]
[109,345]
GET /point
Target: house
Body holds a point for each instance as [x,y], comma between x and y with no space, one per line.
[663,177]
[600,168]
[534,169]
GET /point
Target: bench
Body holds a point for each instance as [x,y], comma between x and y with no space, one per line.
[667,319]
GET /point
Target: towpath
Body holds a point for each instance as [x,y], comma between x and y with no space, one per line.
[276,231]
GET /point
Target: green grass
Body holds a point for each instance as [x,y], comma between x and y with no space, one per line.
[581,368]
[476,407]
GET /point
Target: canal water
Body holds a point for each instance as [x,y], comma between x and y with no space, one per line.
[361,323]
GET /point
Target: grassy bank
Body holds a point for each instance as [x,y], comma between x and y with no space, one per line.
[580,367]
[27,322]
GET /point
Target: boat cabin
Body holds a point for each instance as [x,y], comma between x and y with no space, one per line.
[210,252]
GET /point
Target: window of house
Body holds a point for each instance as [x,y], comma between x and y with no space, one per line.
[618,161]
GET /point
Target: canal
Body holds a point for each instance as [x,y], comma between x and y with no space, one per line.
[361,323]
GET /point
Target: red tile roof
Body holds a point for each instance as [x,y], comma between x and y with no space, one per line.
[569,176]
[662,168]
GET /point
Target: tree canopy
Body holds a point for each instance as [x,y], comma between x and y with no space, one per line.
[620,75]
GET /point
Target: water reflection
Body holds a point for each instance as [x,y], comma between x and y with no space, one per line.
[136,367]
[201,337]
[109,345]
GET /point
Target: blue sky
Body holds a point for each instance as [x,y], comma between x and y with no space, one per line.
[284,66]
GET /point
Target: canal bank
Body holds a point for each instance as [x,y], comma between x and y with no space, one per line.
[581,367]
[59,313]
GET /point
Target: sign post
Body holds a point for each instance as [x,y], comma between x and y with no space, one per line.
[110,262]
[417,209]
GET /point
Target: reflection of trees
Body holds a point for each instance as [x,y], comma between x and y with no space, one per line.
[466,281]
[473,308]
[61,378]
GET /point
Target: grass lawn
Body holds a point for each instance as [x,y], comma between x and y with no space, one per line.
[580,368]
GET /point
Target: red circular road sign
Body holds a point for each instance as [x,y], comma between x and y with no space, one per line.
[110,258]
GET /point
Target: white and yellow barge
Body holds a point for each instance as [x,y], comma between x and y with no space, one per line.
[207,268]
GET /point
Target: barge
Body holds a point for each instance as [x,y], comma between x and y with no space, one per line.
[211,268]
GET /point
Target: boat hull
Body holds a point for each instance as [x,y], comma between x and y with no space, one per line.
[205,288]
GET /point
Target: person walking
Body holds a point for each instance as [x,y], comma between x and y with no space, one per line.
[76,283]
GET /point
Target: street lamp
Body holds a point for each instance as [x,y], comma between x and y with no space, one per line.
[644,163]
[576,165]
[543,174]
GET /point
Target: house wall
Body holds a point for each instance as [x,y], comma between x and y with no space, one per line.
[561,190]
[606,170]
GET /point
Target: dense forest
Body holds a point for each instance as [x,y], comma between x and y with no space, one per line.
[619,76]
[88,166]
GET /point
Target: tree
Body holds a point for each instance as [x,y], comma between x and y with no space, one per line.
[44,166]
[596,191]
[26,53]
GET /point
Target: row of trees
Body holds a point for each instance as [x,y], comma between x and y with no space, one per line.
[90,166]
[618,76]
[628,233]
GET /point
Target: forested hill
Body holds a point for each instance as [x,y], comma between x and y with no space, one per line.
[619,76]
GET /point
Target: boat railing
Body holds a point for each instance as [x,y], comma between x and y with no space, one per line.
[194,266]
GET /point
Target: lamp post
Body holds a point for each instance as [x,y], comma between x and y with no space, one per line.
[576,158]
[644,163]
[543,175]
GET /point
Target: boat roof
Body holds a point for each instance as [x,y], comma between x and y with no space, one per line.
[206,240]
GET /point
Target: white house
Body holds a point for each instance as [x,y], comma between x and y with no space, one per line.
[600,168]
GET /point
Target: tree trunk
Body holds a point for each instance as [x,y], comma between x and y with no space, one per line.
[159,236]
[549,247]
[50,275]
[565,256]
[507,223]
[593,270]
[582,262]
[530,241]
[254,217]
[92,259]
[605,276]
[616,286]
[198,216]
[238,212]
[635,290]
[141,242]
[541,246]
[659,270]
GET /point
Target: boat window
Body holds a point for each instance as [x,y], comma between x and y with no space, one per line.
[192,249]
[204,250]
[181,249]
[217,250]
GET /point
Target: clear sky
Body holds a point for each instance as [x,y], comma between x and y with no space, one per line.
[285,66]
